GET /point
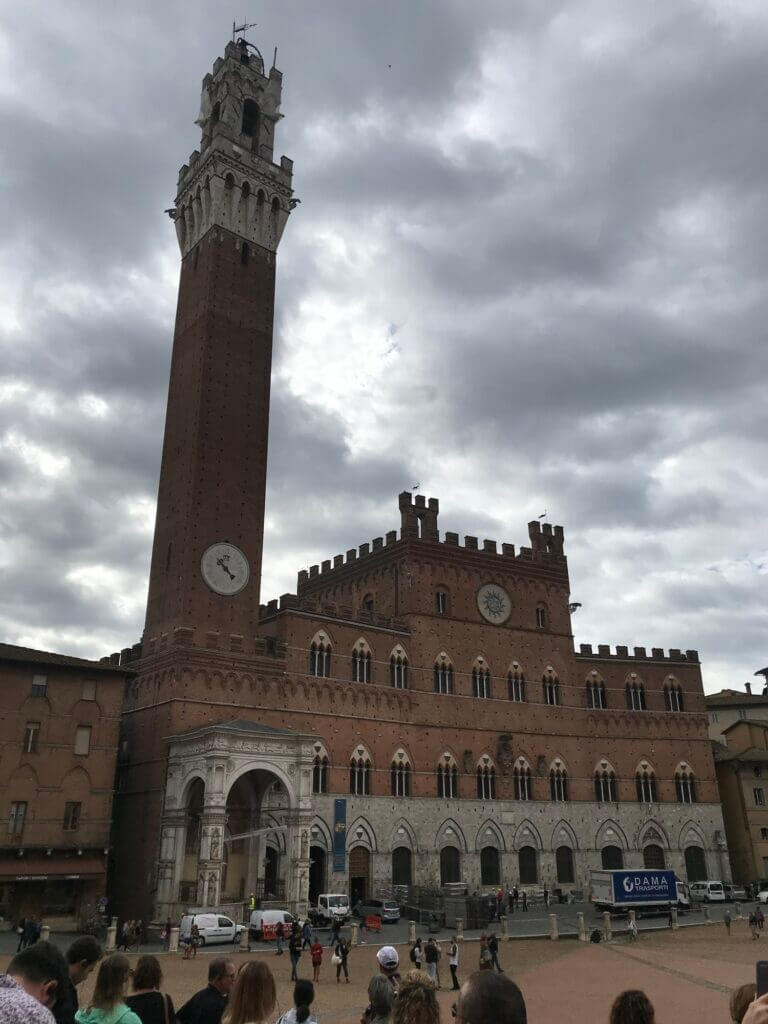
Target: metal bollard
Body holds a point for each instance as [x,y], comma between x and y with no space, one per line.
[45,933]
[173,940]
[411,932]
[245,946]
[582,927]
[111,944]
[675,924]
[459,929]
[504,931]
[355,933]
[607,930]
[553,930]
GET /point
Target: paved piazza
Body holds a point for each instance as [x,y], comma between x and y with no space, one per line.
[688,975]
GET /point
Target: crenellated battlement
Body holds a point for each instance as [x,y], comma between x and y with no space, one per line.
[639,653]
[419,522]
[210,639]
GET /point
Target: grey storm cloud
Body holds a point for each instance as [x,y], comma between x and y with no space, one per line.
[527,272]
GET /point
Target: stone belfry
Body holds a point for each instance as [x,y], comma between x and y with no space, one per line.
[231,207]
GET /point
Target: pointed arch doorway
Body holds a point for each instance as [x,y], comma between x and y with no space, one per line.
[359,873]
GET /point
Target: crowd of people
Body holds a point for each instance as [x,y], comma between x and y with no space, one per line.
[41,987]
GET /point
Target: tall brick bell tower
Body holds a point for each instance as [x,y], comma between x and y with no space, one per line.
[231,208]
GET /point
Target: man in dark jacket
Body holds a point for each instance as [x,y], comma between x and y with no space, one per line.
[207,1006]
[493,949]
[82,957]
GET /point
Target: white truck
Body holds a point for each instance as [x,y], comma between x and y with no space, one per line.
[642,889]
[330,906]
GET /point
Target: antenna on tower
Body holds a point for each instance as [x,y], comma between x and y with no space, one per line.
[241,28]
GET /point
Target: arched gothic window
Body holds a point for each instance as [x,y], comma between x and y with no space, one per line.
[636,696]
[541,616]
[398,670]
[550,687]
[400,774]
[522,779]
[481,682]
[486,781]
[441,602]
[606,790]
[320,767]
[685,785]
[673,697]
[320,657]
[596,695]
[516,684]
[361,662]
[360,774]
[443,677]
[558,783]
[645,783]
[447,777]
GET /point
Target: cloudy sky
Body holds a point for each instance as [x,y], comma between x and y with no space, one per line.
[527,272]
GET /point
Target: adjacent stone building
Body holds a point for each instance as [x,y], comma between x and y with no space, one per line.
[742,775]
[416,713]
[58,747]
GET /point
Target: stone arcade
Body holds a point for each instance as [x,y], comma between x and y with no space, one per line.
[416,713]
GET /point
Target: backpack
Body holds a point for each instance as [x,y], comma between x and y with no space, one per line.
[413,955]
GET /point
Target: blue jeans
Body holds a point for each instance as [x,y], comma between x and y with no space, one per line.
[294,965]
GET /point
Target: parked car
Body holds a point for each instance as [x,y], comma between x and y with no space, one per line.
[261,919]
[735,893]
[387,910]
[211,928]
[708,892]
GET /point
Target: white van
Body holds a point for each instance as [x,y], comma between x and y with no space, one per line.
[211,927]
[269,918]
[709,892]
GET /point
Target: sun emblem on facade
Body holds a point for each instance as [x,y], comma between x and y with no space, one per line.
[493,603]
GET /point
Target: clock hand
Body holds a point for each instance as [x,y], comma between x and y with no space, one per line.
[221,562]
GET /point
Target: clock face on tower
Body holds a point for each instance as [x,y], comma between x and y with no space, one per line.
[225,568]
[493,603]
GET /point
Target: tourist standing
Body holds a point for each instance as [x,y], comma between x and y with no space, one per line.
[334,932]
[279,934]
[82,956]
[632,1007]
[299,1013]
[208,1005]
[486,998]
[306,935]
[493,949]
[253,996]
[417,1002]
[294,950]
[340,957]
[727,921]
[107,1005]
[316,953]
[388,960]
[453,962]
[36,978]
[486,961]
[430,959]
[632,930]
[417,954]
[147,1001]
[381,999]
[525,900]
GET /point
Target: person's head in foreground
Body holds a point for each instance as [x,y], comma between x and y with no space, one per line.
[388,960]
[632,1007]
[741,997]
[41,971]
[381,996]
[487,998]
[417,1001]
[253,995]
[111,983]
[221,975]
[148,974]
[303,994]
[82,957]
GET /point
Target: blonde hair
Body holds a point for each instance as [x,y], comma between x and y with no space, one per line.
[253,995]
[109,990]
[416,1001]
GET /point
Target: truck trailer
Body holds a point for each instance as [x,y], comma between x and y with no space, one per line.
[639,890]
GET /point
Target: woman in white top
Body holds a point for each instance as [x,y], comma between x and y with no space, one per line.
[453,961]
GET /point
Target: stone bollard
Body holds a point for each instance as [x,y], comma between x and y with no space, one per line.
[113,922]
[504,930]
[707,918]
[111,944]
[582,927]
[411,932]
[459,930]
[675,924]
[554,934]
[607,930]
[245,946]
[737,911]
[45,933]
[355,933]
[632,916]
[173,940]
